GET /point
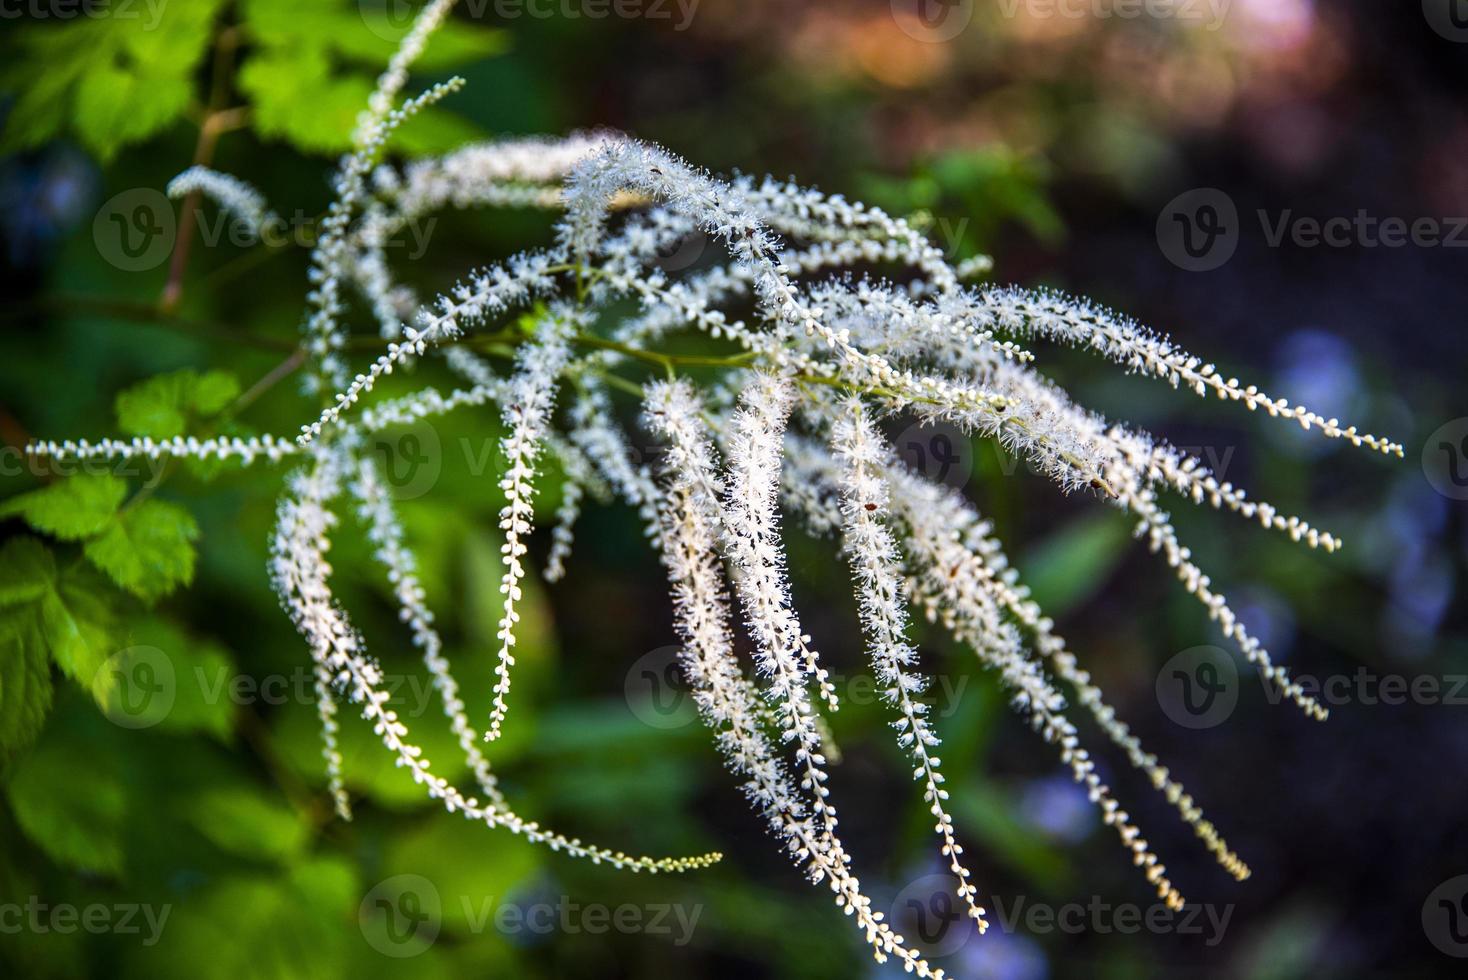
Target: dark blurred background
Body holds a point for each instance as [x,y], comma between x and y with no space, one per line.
[1068,140]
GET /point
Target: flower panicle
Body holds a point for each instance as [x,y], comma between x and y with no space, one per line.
[766,353]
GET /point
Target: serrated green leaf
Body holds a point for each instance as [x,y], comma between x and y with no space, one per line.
[70,509]
[155,407]
[213,392]
[162,406]
[300,51]
[73,620]
[32,118]
[323,123]
[115,80]
[174,40]
[116,107]
[149,550]
[365,33]
[25,681]
[78,626]
[27,571]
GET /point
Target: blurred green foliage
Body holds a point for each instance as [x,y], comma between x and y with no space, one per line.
[112,82]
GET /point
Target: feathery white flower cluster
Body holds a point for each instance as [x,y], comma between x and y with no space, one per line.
[230,193]
[800,362]
[882,597]
[528,404]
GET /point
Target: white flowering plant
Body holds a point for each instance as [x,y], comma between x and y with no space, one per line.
[781,416]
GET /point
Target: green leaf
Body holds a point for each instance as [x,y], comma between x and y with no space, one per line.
[213,392]
[162,406]
[70,805]
[167,678]
[148,550]
[455,44]
[116,80]
[155,407]
[71,617]
[275,79]
[33,119]
[25,681]
[101,798]
[364,32]
[70,509]
[78,626]
[242,821]
[27,571]
[302,49]
[290,927]
[116,107]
